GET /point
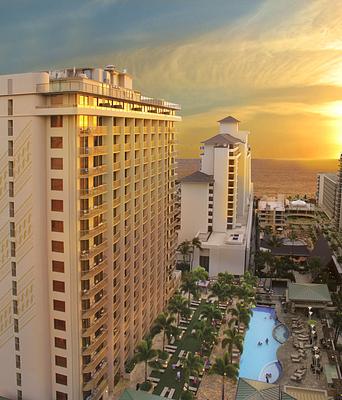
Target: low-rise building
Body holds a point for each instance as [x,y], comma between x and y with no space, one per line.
[271,212]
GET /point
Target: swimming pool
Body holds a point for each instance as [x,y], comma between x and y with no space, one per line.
[259,360]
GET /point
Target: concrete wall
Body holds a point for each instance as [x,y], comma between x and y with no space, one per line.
[194,205]
[221,157]
[230,259]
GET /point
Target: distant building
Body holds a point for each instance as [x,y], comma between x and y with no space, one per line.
[217,201]
[271,212]
[329,195]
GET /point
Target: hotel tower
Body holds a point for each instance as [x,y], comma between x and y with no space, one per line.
[87,228]
[217,202]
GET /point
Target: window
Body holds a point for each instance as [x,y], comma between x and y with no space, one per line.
[17,344]
[16,325]
[17,361]
[56,163]
[10,169]
[61,396]
[56,121]
[60,343]
[10,107]
[11,209]
[15,307]
[14,268]
[10,148]
[10,127]
[61,361]
[57,226]
[61,379]
[59,324]
[57,246]
[18,379]
[10,189]
[19,395]
[57,205]
[58,286]
[56,142]
[59,305]
[14,288]
[12,249]
[56,184]
[57,266]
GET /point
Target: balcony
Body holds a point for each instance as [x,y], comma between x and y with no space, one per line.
[96,359]
[95,326]
[95,343]
[116,166]
[94,270]
[94,191]
[91,212]
[95,307]
[101,169]
[88,293]
[93,251]
[116,148]
[96,150]
[116,237]
[116,184]
[93,131]
[91,384]
[88,233]
[98,391]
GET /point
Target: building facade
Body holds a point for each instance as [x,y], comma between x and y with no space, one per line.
[87,182]
[271,213]
[217,201]
[329,195]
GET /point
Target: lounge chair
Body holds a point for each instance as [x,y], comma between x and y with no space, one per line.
[165,390]
[172,391]
[296,378]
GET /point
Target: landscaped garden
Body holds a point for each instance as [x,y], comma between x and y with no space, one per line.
[194,323]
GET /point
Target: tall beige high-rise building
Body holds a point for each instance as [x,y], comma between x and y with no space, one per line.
[87,228]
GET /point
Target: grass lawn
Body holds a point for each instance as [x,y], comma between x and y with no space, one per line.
[187,343]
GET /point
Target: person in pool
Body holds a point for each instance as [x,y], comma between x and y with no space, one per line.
[259,343]
[266,341]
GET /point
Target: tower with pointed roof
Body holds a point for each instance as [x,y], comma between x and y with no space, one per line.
[216,201]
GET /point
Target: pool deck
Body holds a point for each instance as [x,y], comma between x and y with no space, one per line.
[284,355]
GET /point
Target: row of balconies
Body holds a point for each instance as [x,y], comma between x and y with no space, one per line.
[96,376]
[96,358]
[95,326]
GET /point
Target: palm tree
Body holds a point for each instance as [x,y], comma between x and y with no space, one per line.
[177,305]
[145,353]
[292,236]
[189,285]
[163,323]
[200,274]
[225,368]
[185,249]
[225,277]
[274,241]
[195,244]
[192,365]
[211,311]
[205,335]
[232,338]
[219,290]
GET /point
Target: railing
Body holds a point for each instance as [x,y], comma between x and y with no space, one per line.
[102,89]
[90,212]
[93,231]
[93,150]
[86,254]
[94,191]
[94,131]
[101,169]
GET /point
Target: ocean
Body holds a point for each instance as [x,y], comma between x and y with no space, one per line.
[289,177]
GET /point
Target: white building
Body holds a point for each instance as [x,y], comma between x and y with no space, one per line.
[217,201]
[271,212]
[87,228]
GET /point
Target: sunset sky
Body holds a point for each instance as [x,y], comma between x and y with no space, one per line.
[274,64]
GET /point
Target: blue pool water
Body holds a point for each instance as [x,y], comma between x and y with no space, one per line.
[256,360]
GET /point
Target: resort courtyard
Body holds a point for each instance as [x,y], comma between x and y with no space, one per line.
[290,349]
